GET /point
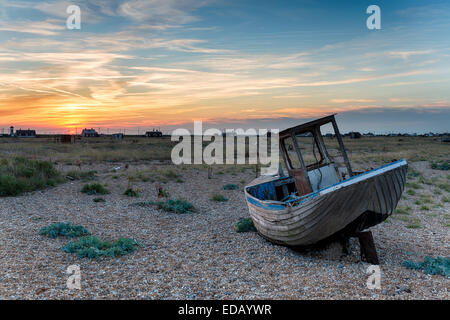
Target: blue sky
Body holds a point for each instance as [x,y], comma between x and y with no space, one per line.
[269,64]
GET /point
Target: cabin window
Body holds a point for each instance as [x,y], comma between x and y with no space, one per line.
[311,153]
[332,144]
[333,149]
[309,149]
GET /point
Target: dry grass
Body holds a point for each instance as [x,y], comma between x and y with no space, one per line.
[89,149]
[367,150]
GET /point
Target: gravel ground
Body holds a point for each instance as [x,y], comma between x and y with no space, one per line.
[199,255]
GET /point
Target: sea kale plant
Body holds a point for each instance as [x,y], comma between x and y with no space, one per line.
[439,265]
[177,206]
[92,247]
[64,230]
[244,225]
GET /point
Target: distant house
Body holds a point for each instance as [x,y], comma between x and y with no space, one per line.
[354,135]
[153,133]
[89,133]
[117,136]
[26,133]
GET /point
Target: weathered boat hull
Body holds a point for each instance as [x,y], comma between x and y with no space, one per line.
[373,195]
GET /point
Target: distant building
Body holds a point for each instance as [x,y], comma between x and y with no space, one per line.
[65,138]
[11,131]
[117,136]
[89,133]
[153,133]
[354,135]
[26,133]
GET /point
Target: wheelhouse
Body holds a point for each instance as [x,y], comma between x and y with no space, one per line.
[315,158]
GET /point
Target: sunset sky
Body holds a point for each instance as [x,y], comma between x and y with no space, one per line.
[264,64]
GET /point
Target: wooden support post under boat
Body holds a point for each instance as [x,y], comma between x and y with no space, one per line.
[367,246]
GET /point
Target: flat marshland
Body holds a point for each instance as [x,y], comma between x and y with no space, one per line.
[184,224]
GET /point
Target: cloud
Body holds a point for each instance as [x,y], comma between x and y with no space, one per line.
[351,100]
[161,12]
[401,99]
[57,8]
[49,27]
[406,54]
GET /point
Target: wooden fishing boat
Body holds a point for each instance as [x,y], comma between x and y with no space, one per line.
[322,196]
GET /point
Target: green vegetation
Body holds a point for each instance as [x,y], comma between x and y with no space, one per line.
[95,188]
[437,265]
[177,206]
[99,200]
[412,174]
[441,165]
[426,198]
[92,247]
[444,186]
[64,230]
[20,175]
[413,185]
[144,177]
[425,181]
[244,225]
[231,186]
[81,175]
[218,197]
[131,193]
[172,175]
[163,193]
[403,210]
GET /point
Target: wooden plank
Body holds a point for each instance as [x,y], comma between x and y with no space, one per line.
[367,247]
